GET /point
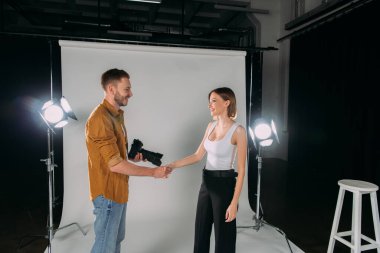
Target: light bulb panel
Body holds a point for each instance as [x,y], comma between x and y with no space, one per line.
[56,114]
[52,112]
[263,133]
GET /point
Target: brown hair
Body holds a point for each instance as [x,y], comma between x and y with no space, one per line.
[113,75]
[227,94]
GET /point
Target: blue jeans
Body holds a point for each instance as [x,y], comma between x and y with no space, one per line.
[109,225]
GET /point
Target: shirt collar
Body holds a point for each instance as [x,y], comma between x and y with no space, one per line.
[114,112]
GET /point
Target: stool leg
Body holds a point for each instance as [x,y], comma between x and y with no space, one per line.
[375,215]
[335,225]
[356,226]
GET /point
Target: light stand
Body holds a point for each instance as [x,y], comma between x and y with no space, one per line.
[257,218]
[263,135]
[55,114]
[50,168]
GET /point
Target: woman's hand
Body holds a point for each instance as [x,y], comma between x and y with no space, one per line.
[231,212]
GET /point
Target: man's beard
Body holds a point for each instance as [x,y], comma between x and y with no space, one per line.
[119,99]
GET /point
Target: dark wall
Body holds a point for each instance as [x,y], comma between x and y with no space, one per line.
[334,113]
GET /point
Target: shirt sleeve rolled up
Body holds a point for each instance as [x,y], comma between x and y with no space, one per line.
[102,136]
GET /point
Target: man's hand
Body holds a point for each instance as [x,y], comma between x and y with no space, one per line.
[162,172]
[139,157]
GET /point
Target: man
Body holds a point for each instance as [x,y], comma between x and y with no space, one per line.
[109,169]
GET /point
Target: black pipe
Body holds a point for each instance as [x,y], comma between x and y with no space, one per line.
[316,13]
[149,43]
[98,18]
[325,19]
[183,19]
[2,19]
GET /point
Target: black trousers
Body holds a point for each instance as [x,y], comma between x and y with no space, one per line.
[214,197]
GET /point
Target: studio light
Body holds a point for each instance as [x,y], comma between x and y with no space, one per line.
[56,113]
[263,133]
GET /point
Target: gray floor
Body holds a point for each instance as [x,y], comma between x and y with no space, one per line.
[266,240]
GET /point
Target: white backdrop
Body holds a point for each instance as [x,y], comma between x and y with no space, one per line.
[168,113]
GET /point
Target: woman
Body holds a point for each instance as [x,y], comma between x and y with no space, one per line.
[224,141]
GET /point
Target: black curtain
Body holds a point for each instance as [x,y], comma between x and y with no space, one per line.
[25,86]
[334,111]
[253,70]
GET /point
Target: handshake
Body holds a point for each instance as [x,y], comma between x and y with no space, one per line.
[137,153]
[162,172]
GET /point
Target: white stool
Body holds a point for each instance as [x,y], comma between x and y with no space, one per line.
[358,188]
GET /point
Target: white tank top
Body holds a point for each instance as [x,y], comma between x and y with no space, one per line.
[220,153]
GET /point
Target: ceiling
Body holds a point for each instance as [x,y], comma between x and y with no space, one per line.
[226,23]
